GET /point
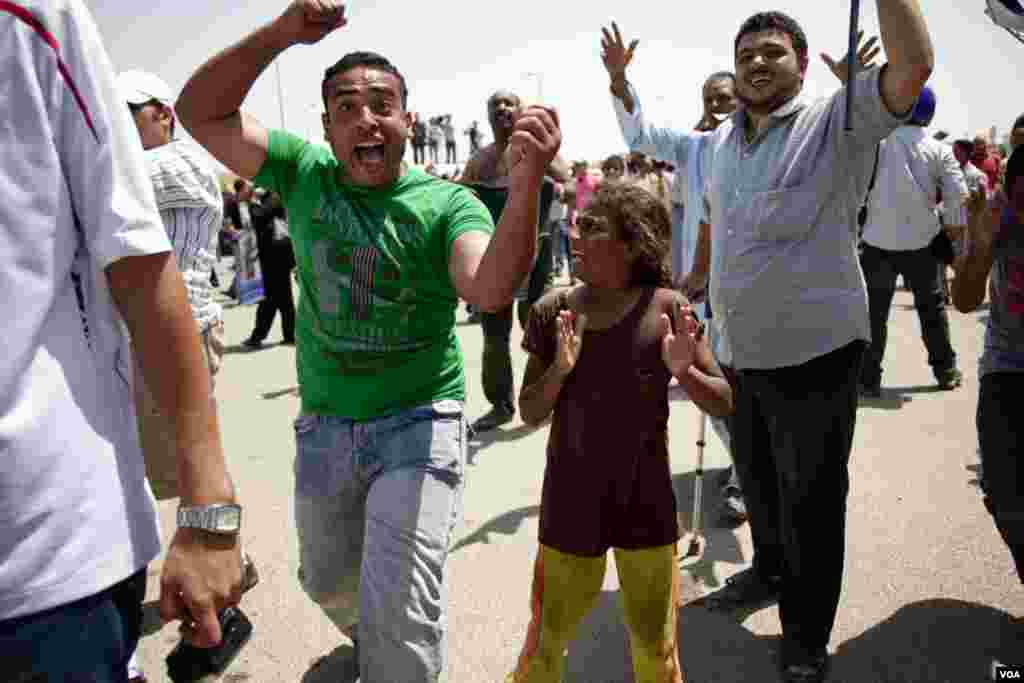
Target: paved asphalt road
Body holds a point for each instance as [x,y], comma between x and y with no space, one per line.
[929,592]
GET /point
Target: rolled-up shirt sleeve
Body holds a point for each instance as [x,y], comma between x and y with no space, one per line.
[663,144]
[872,120]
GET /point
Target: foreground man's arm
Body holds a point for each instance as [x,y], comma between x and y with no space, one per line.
[210,103]
[908,48]
[202,572]
[486,271]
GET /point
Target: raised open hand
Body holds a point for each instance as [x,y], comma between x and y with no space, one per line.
[866,54]
[679,348]
[308,21]
[614,53]
[570,327]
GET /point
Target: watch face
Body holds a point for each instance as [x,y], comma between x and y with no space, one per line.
[229,518]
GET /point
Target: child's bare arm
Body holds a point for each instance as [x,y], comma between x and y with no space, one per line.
[541,385]
[543,382]
[705,384]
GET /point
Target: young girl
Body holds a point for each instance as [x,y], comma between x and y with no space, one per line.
[601,358]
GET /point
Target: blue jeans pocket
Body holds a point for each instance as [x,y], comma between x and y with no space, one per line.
[431,437]
[316,456]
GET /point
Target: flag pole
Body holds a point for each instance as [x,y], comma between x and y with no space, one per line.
[852,63]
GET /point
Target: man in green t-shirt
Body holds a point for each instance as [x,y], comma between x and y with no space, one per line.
[383,255]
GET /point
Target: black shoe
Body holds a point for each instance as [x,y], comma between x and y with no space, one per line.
[805,670]
[745,590]
[870,390]
[950,379]
[498,416]
[252,344]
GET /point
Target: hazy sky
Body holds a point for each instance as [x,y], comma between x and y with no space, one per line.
[454,54]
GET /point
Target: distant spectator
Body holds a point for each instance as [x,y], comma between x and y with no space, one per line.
[435,138]
[985,162]
[419,140]
[449,140]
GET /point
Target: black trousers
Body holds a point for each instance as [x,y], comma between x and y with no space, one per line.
[277,295]
[920,270]
[1001,437]
[419,153]
[792,435]
[449,150]
[496,370]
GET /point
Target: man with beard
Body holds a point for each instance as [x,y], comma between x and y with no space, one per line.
[383,253]
[785,185]
[487,174]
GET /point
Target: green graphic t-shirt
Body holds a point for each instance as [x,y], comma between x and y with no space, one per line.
[375,326]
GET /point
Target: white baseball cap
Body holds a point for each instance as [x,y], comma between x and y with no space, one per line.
[139,87]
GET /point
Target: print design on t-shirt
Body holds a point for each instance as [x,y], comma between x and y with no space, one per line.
[349,264]
[364,259]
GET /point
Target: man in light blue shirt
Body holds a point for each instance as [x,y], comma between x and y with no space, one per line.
[785,182]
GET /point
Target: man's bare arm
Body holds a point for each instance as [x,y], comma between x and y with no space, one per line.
[908,48]
[150,295]
[975,261]
[209,105]
[202,572]
[487,271]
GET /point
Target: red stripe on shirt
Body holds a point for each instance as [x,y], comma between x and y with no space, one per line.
[24,15]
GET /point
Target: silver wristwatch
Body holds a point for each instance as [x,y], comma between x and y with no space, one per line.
[222,518]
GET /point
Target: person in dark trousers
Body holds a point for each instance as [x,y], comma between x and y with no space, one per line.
[474,138]
[901,225]
[993,255]
[276,263]
[419,140]
[450,154]
[487,174]
[786,180]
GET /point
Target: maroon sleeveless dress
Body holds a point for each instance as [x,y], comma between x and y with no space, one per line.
[607,482]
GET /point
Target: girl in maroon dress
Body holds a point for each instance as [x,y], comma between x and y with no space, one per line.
[601,358]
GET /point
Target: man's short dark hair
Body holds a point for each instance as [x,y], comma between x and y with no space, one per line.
[354,59]
[775,21]
[721,76]
[1019,123]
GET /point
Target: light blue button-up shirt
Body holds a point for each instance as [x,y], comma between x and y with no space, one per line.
[786,284]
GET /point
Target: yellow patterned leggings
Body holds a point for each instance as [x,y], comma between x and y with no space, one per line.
[564,589]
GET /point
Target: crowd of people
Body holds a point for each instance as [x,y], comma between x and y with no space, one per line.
[437,133]
[751,260]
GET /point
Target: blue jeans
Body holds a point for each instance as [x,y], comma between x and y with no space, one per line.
[376,503]
[86,641]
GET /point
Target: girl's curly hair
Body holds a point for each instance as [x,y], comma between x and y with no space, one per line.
[643,222]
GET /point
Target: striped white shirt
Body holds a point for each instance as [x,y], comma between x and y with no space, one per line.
[192,209]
